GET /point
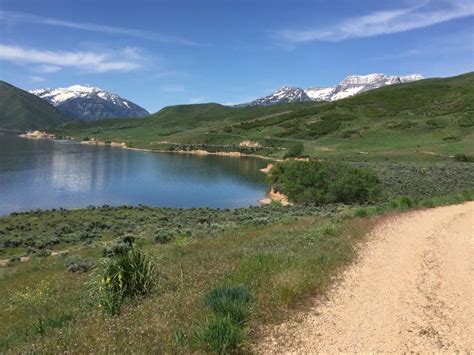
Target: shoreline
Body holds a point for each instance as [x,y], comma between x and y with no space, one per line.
[271,196]
[235,154]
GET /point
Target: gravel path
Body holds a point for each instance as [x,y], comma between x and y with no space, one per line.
[412,290]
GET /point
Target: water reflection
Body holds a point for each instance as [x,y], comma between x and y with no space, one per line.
[47,174]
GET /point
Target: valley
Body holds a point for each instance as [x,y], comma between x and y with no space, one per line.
[424,120]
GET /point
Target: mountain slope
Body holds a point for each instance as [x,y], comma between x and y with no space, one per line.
[90,103]
[431,117]
[20,110]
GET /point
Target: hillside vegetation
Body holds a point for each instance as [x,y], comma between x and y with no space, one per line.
[20,110]
[432,118]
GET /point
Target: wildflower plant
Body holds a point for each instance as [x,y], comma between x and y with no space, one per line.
[121,277]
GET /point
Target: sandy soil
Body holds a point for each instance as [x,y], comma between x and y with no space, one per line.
[412,290]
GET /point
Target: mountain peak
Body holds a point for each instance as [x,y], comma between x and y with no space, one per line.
[284,95]
[90,103]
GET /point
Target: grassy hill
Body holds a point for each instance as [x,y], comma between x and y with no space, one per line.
[423,119]
[20,110]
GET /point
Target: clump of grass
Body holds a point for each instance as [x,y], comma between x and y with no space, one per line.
[361,212]
[220,335]
[42,324]
[123,276]
[231,308]
[232,302]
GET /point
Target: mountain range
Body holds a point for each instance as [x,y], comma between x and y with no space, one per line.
[350,86]
[90,103]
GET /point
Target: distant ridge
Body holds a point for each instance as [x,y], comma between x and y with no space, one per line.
[20,110]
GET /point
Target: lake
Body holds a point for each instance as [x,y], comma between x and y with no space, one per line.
[51,174]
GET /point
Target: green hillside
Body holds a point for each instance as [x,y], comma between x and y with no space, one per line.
[20,110]
[428,119]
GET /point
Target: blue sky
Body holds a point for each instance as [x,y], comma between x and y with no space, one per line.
[165,52]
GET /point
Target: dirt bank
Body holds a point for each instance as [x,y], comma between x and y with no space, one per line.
[412,290]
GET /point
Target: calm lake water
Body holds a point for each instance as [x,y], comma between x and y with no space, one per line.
[51,174]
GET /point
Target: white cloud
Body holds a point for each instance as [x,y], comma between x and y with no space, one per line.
[88,61]
[22,17]
[383,22]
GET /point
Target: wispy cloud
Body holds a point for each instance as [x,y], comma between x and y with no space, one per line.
[22,17]
[87,61]
[36,79]
[197,100]
[382,22]
[172,88]
[435,47]
[47,68]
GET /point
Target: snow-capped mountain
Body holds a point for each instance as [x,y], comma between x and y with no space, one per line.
[90,103]
[356,84]
[350,86]
[284,95]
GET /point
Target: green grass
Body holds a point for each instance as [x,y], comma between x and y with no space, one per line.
[20,110]
[430,119]
[214,291]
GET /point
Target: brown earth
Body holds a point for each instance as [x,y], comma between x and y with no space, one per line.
[412,290]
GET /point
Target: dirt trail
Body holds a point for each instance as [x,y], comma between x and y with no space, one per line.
[411,291]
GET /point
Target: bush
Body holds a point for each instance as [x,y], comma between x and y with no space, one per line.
[406,202]
[123,276]
[43,253]
[464,158]
[321,128]
[325,182]
[78,265]
[294,151]
[119,246]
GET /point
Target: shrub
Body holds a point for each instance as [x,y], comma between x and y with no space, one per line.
[43,253]
[464,158]
[78,265]
[165,236]
[232,302]
[123,276]
[338,116]
[294,151]
[14,259]
[406,202]
[350,133]
[219,335]
[322,128]
[325,182]
[119,246]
